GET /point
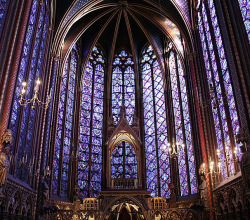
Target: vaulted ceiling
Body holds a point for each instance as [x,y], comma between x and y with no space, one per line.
[118,23]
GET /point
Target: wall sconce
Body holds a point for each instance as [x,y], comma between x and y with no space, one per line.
[212,170]
[227,156]
[212,96]
[34,99]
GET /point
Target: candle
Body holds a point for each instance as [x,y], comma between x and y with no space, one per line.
[38,81]
[218,152]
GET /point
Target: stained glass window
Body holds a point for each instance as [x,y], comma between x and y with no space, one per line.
[155,125]
[245,11]
[63,144]
[31,67]
[3,11]
[123,86]
[219,80]
[123,161]
[90,147]
[183,135]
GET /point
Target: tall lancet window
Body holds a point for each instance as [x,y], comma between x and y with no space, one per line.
[123,161]
[65,126]
[182,123]
[155,125]
[91,126]
[23,120]
[3,11]
[223,106]
[123,86]
[245,11]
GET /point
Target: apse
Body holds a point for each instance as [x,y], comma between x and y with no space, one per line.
[116,109]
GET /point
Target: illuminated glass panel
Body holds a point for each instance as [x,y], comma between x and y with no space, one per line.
[178,123]
[123,86]
[216,81]
[68,126]
[31,67]
[226,77]
[90,146]
[245,11]
[117,93]
[3,11]
[123,161]
[155,125]
[187,128]
[22,70]
[63,144]
[28,121]
[186,163]
[59,133]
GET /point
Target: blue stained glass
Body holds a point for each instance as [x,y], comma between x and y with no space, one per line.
[22,69]
[245,11]
[123,86]
[226,78]
[178,124]
[123,161]
[218,108]
[65,125]
[28,71]
[68,122]
[187,126]
[90,145]
[59,137]
[215,109]
[155,131]
[28,122]
[3,11]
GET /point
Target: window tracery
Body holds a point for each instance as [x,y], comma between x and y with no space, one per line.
[22,120]
[3,11]
[226,122]
[91,126]
[65,122]
[155,125]
[123,161]
[123,86]
[182,121]
[245,12]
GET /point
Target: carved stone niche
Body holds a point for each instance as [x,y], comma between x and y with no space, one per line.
[229,198]
[123,132]
[19,200]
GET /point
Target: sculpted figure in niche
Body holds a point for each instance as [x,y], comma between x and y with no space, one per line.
[4,166]
[245,167]
[7,137]
[203,191]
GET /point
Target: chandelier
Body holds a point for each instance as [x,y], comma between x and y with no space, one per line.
[34,99]
[174,149]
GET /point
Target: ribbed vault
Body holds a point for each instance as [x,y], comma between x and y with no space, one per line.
[116,24]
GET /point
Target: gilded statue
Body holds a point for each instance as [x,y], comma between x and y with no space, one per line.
[7,137]
[4,166]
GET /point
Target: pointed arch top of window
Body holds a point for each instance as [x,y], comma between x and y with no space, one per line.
[123,86]
[91,125]
[97,55]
